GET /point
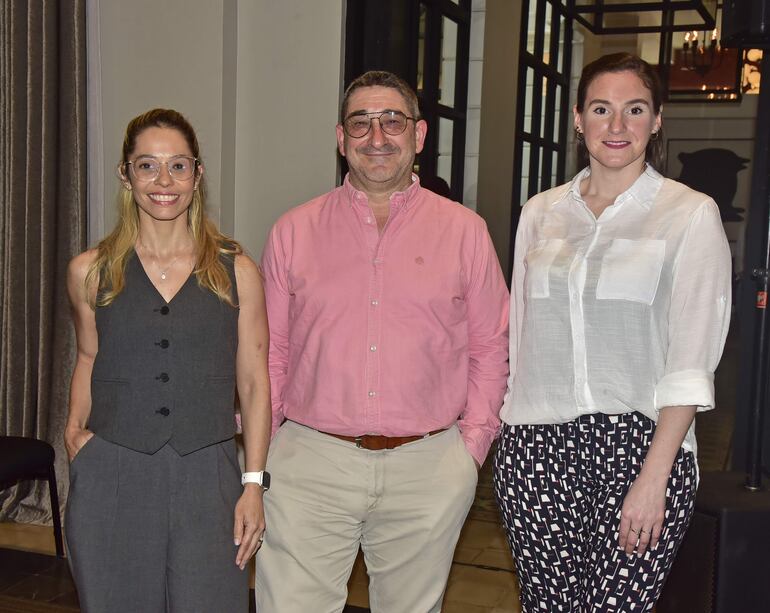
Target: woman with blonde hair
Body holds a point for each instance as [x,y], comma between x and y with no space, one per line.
[620,304]
[170,317]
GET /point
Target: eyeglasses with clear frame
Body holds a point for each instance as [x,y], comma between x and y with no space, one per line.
[147,167]
[392,123]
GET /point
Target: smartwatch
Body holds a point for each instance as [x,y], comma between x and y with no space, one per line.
[262,478]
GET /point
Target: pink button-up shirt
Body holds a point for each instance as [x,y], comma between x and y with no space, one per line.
[399,332]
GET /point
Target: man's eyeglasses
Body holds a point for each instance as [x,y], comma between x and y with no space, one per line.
[147,168]
[392,123]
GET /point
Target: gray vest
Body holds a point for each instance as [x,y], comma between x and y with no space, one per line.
[165,372]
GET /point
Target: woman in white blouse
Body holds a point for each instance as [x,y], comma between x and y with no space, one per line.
[619,310]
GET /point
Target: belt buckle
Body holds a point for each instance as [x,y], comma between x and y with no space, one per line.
[358,441]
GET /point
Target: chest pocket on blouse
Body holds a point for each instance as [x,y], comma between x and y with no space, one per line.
[538,262]
[631,270]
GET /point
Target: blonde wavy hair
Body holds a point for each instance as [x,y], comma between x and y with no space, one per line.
[108,270]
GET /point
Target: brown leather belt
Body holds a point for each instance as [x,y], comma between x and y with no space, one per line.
[377,442]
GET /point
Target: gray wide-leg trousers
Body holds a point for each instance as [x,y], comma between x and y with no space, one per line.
[154,533]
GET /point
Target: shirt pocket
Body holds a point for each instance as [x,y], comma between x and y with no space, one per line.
[538,262]
[631,270]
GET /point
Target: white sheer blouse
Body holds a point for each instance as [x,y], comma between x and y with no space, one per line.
[628,312]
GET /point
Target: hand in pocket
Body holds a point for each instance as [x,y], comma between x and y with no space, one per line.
[75,440]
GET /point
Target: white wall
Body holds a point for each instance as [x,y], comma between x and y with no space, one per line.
[260,80]
[498,121]
[158,54]
[289,88]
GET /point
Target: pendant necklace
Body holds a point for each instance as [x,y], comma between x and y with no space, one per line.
[163,271]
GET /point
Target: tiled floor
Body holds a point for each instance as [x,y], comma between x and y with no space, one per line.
[482,578]
[36,577]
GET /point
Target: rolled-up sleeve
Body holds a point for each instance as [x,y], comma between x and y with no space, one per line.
[699,314]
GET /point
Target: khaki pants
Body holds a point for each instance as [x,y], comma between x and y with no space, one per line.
[404,507]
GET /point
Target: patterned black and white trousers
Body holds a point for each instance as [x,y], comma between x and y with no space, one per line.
[560,488]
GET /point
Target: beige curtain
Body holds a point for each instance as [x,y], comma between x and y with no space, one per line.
[42,224]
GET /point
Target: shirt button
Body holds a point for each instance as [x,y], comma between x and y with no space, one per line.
[373,348]
[164,310]
[375,302]
[163,344]
[372,394]
[163,411]
[163,377]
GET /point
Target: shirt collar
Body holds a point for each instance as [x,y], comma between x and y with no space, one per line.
[403,199]
[643,190]
[646,187]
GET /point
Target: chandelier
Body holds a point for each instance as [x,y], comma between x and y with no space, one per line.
[702,56]
[698,68]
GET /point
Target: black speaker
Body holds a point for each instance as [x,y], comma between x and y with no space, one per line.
[746,24]
[723,565]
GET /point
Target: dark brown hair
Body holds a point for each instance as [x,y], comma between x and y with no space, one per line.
[382,78]
[622,62]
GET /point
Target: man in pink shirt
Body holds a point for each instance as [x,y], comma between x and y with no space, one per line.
[388,362]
